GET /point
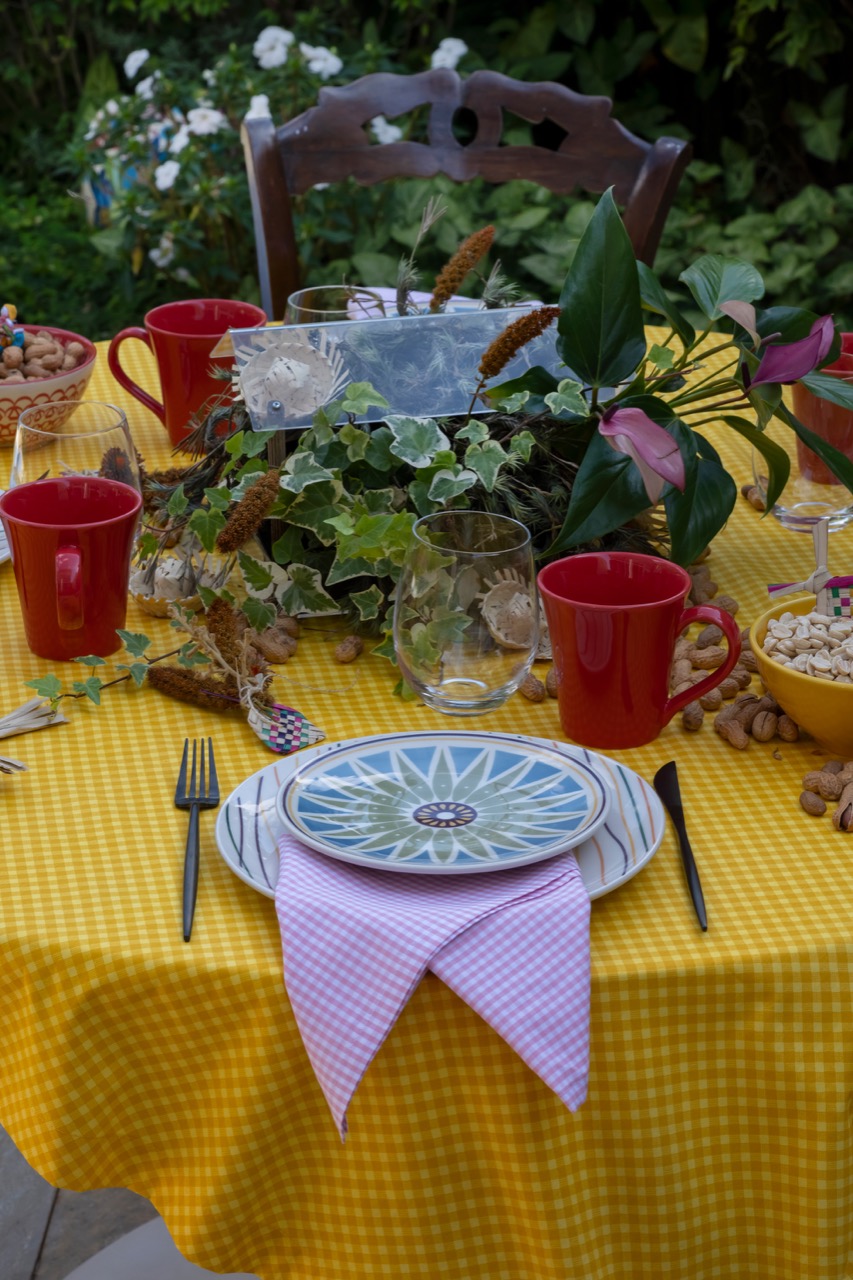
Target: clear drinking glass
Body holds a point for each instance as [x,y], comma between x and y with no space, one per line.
[466,619]
[327,304]
[92,440]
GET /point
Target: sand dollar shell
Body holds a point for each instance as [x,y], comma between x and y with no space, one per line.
[508,613]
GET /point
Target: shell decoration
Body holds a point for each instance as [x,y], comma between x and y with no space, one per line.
[301,377]
[507,610]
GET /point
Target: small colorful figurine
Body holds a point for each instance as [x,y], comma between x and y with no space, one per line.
[9,335]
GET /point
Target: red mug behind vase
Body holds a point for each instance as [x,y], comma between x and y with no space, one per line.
[832,422]
[182,336]
[614,618]
[71,539]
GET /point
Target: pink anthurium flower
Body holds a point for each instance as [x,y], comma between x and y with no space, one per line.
[788,361]
[654,451]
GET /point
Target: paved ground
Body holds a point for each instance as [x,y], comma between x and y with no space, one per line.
[44,1233]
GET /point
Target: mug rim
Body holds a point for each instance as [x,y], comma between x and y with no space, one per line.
[150,321]
[611,606]
[133,510]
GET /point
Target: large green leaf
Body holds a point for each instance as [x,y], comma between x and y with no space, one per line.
[600,330]
[654,298]
[608,490]
[827,387]
[712,280]
[778,462]
[838,464]
[696,514]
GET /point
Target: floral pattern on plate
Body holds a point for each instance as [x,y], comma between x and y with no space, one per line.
[442,802]
[248,827]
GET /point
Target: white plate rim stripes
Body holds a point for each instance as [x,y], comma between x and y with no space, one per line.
[248,827]
[596,793]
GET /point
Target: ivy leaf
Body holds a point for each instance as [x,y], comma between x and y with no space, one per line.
[660,357]
[416,440]
[207,525]
[385,648]
[190,656]
[486,461]
[259,613]
[46,686]
[301,470]
[511,403]
[90,660]
[378,454]
[568,398]
[218,499]
[359,396]
[288,547]
[522,445]
[256,574]
[147,545]
[234,445]
[306,594]
[91,688]
[178,502]
[207,595]
[316,506]
[355,440]
[253,443]
[450,482]
[474,431]
[368,602]
[137,671]
[134,641]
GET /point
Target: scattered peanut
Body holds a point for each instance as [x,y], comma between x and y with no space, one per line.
[712,700]
[551,682]
[692,717]
[812,804]
[349,649]
[712,634]
[842,819]
[728,603]
[532,688]
[764,726]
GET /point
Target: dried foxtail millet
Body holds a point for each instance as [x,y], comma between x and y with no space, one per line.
[456,269]
[517,334]
[247,516]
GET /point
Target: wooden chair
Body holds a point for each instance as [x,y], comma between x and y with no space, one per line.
[330,142]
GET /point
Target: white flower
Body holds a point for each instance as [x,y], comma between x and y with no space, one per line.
[179,141]
[321,62]
[134,61]
[111,107]
[448,53]
[165,174]
[165,251]
[182,274]
[259,106]
[209,77]
[94,126]
[271,47]
[202,120]
[385,132]
[145,88]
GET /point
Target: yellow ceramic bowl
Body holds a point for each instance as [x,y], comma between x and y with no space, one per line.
[821,707]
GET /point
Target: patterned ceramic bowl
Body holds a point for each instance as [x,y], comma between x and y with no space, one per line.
[68,385]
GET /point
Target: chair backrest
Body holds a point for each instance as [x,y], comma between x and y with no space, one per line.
[330,142]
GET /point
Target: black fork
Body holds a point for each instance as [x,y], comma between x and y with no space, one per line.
[205,795]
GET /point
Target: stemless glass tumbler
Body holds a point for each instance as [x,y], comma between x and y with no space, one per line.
[466,619]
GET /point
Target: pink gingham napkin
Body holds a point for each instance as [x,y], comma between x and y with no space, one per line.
[513,944]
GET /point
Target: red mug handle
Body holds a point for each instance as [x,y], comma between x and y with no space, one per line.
[730,629]
[126,381]
[69,589]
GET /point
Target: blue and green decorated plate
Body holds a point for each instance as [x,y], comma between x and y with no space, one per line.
[442,802]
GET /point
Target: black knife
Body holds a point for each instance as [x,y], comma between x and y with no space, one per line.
[666,785]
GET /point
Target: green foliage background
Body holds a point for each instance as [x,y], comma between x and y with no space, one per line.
[759,86]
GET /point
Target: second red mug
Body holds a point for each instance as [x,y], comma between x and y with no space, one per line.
[182,336]
[614,618]
[832,422]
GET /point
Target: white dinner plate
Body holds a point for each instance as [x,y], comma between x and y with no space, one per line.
[248,826]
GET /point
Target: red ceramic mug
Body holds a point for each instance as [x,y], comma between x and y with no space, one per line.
[832,422]
[614,618]
[182,336]
[71,539]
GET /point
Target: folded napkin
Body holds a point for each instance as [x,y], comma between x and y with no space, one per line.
[513,944]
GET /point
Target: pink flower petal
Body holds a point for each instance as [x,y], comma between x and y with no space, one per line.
[654,450]
[787,361]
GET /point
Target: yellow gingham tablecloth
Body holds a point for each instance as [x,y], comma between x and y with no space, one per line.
[716,1139]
